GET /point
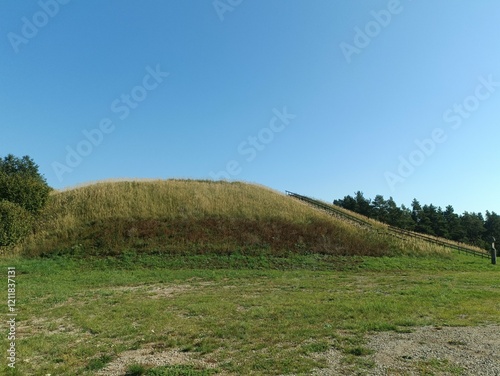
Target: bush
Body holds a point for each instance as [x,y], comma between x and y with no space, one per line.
[26,191]
[15,223]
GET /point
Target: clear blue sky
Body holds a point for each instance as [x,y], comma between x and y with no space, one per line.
[319,97]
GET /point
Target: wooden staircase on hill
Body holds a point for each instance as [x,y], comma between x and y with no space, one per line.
[368,224]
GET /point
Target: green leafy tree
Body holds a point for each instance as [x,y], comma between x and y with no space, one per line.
[438,222]
[363,205]
[379,209]
[473,225]
[492,227]
[405,221]
[420,216]
[25,166]
[21,183]
[358,204]
[454,225]
[23,193]
[393,212]
[416,211]
[348,203]
[470,228]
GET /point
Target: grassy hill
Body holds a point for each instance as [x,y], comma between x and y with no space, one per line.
[197,217]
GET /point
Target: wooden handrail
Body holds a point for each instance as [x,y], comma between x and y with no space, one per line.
[394,230]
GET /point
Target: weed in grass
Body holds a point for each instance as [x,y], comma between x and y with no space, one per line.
[359,364]
[8,371]
[359,351]
[136,370]
[99,363]
[434,367]
[457,343]
[205,346]
[315,347]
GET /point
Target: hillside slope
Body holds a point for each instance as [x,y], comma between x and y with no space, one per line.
[193,217]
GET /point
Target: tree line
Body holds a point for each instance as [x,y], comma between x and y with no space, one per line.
[469,227]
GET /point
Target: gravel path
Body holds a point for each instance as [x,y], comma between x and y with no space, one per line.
[471,351]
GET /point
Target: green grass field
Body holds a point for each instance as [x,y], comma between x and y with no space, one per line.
[221,278]
[235,315]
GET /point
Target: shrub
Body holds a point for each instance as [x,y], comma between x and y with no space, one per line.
[26,191]
[23,193]
[22,183]
[15,223]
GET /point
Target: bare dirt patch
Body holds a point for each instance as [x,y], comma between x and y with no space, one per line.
[46,327]
[427,351]
[151,356]
[153,291]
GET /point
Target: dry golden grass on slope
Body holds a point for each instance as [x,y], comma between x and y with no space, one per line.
[193,217]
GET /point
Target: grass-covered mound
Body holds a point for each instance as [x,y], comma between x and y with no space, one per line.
[193,217]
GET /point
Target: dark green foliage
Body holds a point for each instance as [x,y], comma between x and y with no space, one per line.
[380,209]
[25,166]
[473,224]
[470,228]
[358,204]
[99,363]
[403,219]
[23,193]
[136,370]
[363,204]
[316,347]
[492,226]
[359,351]
[348,203]
[15,223]
[21,183]
[453,225]
[421,217]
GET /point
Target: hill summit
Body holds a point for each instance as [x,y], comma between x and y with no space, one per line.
[192,217]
